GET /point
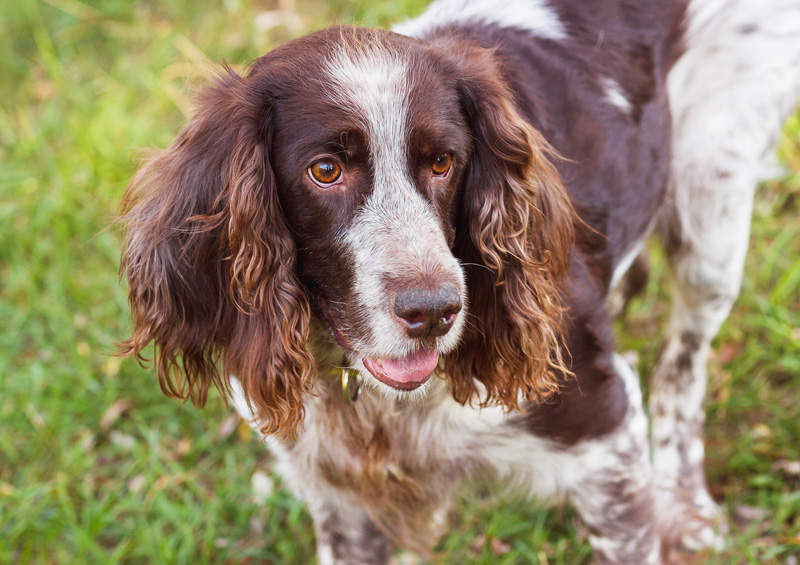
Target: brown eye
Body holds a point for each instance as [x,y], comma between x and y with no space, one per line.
[325,171]
[441,164]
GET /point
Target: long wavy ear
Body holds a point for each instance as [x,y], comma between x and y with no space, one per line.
[211,263]
[514,236]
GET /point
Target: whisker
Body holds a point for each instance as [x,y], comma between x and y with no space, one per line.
[477,265]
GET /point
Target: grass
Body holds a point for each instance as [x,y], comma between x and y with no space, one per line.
[96,466]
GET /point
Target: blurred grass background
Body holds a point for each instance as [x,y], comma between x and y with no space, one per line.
[96,466]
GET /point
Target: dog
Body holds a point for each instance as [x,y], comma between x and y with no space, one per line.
[392,252]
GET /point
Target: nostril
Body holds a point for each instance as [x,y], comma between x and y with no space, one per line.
[427,312]
[414,317]
[453,306]
[447,319]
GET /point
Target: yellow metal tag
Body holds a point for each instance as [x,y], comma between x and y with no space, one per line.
[350,384]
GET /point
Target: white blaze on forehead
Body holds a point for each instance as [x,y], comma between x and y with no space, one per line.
[370,81]
[396,233]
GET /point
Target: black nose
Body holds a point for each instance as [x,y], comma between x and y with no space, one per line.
[427,312]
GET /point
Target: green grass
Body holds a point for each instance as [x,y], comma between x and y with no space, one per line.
[97,466]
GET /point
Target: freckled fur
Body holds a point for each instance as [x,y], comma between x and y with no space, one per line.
[573,132]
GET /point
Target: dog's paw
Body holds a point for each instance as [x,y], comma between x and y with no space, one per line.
[706,529]
[697,525]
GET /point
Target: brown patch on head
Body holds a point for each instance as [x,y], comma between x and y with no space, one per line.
[514,235]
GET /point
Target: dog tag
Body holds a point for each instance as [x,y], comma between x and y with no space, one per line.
[350,384]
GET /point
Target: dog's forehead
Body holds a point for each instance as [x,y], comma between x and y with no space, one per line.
[377,82]
[370,80]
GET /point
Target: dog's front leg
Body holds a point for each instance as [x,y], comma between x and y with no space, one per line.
[346,535]
[614,493]
[607,476]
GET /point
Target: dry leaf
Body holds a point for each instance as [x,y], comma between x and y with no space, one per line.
[744,514]
[183,447]
[228,426]
[111,367]
[113,413]
[35,417]
[87,440]
[123,441]
[245,433]
[788,467]
[499,547]
[256,526]
[136,483]
[728,351]
[761,431]
[478,543]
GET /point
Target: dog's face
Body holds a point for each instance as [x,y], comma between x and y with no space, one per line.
[386,185]
[369,152]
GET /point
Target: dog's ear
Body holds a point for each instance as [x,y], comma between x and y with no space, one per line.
[514,236]
[211,263]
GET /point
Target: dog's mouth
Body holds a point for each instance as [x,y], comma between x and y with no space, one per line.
[401,373]
[404,373]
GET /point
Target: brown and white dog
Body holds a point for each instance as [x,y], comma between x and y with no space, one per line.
[443,211]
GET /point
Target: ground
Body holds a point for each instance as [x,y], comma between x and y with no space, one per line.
[96,466]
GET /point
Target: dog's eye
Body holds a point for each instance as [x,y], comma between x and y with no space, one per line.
[325,172]
[441,164]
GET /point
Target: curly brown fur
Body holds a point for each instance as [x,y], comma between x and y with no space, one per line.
[516,227]
[211,265]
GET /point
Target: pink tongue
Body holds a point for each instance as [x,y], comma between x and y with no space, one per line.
[407,372]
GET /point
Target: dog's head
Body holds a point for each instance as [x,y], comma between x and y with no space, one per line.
[387,186]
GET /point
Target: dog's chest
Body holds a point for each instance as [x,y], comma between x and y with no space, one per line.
[412,454]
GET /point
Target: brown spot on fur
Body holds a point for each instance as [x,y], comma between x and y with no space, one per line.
[690,340]
[684,361]
[399,492]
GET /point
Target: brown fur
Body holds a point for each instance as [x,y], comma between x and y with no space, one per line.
[211,264]
[517,226]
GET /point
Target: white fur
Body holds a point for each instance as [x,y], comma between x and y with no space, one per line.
[625,263]
[454,432]
[620,458]
[729,94]
[533,16]
[396,233]
[438,428]
[325,554]
[615,95]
